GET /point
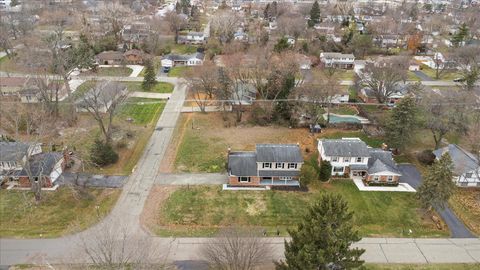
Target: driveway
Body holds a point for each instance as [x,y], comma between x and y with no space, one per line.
[89,180]
[192,179]
[412,176]
[422,76]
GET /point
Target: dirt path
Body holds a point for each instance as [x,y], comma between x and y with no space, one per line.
[158,195]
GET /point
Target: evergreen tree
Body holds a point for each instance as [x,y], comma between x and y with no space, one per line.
[322,239]
[178,8]
[437,185]
[461,35]
[266,12]
[281,45]
[102,154]
[325,170]
[402,123]
[149,80]
[283,109]
[314,14]
[273,11]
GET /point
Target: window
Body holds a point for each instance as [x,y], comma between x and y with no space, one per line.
[267,165]
[359,159]
[285,178]
[337,169]
[292,165]
[390,178]
[279,165]
[463,184]
[346,159]
[468,175]
[376,178]
[244,179]
[334,159]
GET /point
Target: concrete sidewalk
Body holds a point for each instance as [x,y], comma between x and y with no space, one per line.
[151,95]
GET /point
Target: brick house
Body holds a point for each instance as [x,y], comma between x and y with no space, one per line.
[134,56]
[269,165]
[352,156]
[110,58]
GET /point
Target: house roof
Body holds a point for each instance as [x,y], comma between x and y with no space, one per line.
[381,161]
[346,147]
[13,81]
[242,163]
[13,151]
[133,52]
[41,164]
[330,55]
[110,55]
[463,160]
[108,91]
[184,57]
[279,153]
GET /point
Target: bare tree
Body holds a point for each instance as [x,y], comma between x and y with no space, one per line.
[116,15]
[381,79]
[176,23]
[203,82]
[111,246]
[224,24]
[468,59]
[102,102]
[237,249]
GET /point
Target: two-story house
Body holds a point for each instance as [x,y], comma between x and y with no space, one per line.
[337,60]
[269,165]
[352,156]
[14,154]
[466,166]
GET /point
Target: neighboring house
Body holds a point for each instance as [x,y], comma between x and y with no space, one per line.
[303,61]
[135,33]
[110,58]
[244,94]
[413,66]
[269,165]
[101,96]
[32,94]
[466,165]
[192,38]
[172,60]
[337,60]
[134,56]
[352,156]
[10,86]
[401,91]
[20,162]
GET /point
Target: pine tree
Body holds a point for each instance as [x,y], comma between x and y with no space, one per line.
[461,35]
[266,12]
[102,154]
[178,8]
[322,239]
[273,12]
[282,45]
[325,170]
[437,185]
[314,14]
[402,123]
[149,80]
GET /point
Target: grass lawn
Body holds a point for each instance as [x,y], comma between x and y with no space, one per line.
[466,204]
[439,266]
[110,72]
[370,141]
[177,71]
[344,110]
[345,75]
[412,76]
[82,89]
[142,110]
[60,212]
[446,75]
[160,87]
[201,210]
[142,73]
[183,49]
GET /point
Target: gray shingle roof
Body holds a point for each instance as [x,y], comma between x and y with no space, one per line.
[13,151]
[463,160]
[242,163]
[42,164]
[184,57]
[381,161]
[279,153]
[345,148]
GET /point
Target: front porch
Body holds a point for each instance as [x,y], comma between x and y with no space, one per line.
[266,182]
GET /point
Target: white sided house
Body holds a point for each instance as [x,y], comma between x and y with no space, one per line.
[352,156]
[172,60]
[337,60]
[466,165]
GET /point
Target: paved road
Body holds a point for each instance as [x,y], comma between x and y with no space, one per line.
[412,176]
[192,179]
[423,76]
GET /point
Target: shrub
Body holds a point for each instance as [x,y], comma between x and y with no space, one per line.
[102,154]
[426,157]
[308,174]
[325,170]
[259,116]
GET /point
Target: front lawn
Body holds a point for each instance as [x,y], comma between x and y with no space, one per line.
[412,76]
[160,87]
[59,213]
[82,89]
[183,49]
[447,75]
[142,110]
[466,204]
[178,71]
[345,75]
[110,72]
[344,110]
[201,210]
